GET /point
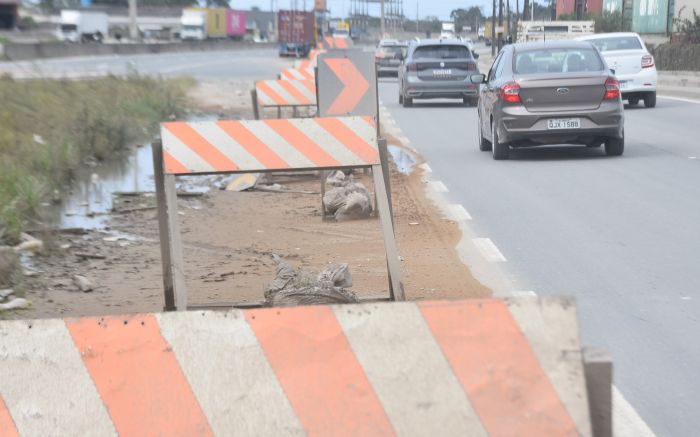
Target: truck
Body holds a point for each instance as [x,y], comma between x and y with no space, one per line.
[82,26]
[296,32]
[9,12]
[448,30]
[203,23]
[236,24]
[551,30]
[340,29]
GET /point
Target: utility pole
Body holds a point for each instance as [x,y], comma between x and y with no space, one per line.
[500,23]
[526,9]
[508,15]
[133,28]
[493,29]
[382,25]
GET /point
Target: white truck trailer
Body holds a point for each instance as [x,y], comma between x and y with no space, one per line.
[82,26]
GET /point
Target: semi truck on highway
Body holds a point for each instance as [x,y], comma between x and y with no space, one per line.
[203,23]
[448,30]
[82,26]
[296,32]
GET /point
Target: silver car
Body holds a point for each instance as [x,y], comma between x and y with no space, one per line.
[438,69]
[388,57]
[559,92]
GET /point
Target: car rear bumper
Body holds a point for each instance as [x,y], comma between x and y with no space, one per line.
[387,69]
[644,81]
[523,128]
[435,89]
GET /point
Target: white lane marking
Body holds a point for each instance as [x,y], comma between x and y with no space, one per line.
[458,212]
[692,157]
[626,421]
[489,250]
[680,99]
[426,168]
[438,186]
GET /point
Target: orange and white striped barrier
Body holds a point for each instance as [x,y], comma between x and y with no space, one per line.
[297,74]
[254,146]
[470,368]
[283,93]
[330,42]
[215,147]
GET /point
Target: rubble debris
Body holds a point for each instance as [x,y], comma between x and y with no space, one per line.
[83,283]
[295,287]
[336,179]
[15,304]
[349,201]
[243,182]
[30,244]
[90,255]
[4,294]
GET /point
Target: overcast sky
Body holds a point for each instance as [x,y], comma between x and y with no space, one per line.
[439,8]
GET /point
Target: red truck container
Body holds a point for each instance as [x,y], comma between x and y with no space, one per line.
[236,23]
[296,32]
[8,13]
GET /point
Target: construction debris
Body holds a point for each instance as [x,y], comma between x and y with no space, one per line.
[15,304]
[83,283]
[295,287]
[348,201]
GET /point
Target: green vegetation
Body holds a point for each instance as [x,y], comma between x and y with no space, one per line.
[47,127]
[4,40]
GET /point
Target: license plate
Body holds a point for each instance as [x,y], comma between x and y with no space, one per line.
[624,84]
[442,73]
[564,123]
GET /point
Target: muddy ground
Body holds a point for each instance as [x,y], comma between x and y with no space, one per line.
[229,238]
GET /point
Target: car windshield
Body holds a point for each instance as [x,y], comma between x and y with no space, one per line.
[392,51]
[616,43]
[441,51]
[557,61]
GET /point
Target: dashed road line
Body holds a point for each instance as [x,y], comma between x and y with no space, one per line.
[489,250]
[438,186]
[458,213]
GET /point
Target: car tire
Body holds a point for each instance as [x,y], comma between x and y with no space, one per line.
[407,102]
[633,101]
[615,146]
[650,100]
[466,101]
[484,144]
[400,98]
[499,150]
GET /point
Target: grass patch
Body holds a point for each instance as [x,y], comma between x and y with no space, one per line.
[47,127]
[4,40]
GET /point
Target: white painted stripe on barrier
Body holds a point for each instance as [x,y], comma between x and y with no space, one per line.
[264,99]
[226,145]
[525,293]
[304,90]
[426,398]
[438,186]
[292,156]
[183,153]
[458,213]
[276,87]
[244,399]
[489,250]
[361,127]
[48,372]
[335,148]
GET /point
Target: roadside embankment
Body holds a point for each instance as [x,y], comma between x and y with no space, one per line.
[23,51]
[49,127]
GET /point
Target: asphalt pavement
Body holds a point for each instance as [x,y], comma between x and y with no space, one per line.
[621,234]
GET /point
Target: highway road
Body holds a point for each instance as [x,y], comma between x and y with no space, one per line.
[622,235]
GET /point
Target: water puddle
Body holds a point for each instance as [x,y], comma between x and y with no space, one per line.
[403,158]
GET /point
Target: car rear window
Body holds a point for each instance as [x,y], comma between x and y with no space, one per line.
[557,61]
[442,51]
[391,51]
[616,43]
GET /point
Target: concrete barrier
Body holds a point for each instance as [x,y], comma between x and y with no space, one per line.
[477,368]
[20,52]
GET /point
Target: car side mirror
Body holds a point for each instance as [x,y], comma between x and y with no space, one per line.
[612,71]
[475,54]
[477,78]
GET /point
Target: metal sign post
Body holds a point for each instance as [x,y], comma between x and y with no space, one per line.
[224,147]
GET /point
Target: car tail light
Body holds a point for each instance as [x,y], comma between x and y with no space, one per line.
[612,89]
[510,92]
[411,66]
[647,61]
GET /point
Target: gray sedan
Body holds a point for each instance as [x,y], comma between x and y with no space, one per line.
[435,69]
[559,92]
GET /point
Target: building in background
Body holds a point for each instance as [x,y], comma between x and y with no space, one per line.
[9,14]
[579,8]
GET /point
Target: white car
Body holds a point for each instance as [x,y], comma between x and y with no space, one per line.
[626,54]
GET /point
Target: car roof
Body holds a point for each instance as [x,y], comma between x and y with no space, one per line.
[606,35]
[554,44]
[439,41]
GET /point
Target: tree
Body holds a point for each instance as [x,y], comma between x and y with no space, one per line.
[467,17]
[689,28]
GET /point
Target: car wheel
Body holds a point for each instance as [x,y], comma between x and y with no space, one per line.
[466,101]
[650,100]
[484,145]
[594,144]
[400,98]
[499,150]
[407,102]
[615,146]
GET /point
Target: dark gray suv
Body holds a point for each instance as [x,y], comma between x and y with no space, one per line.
[559,92]
[438,69]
